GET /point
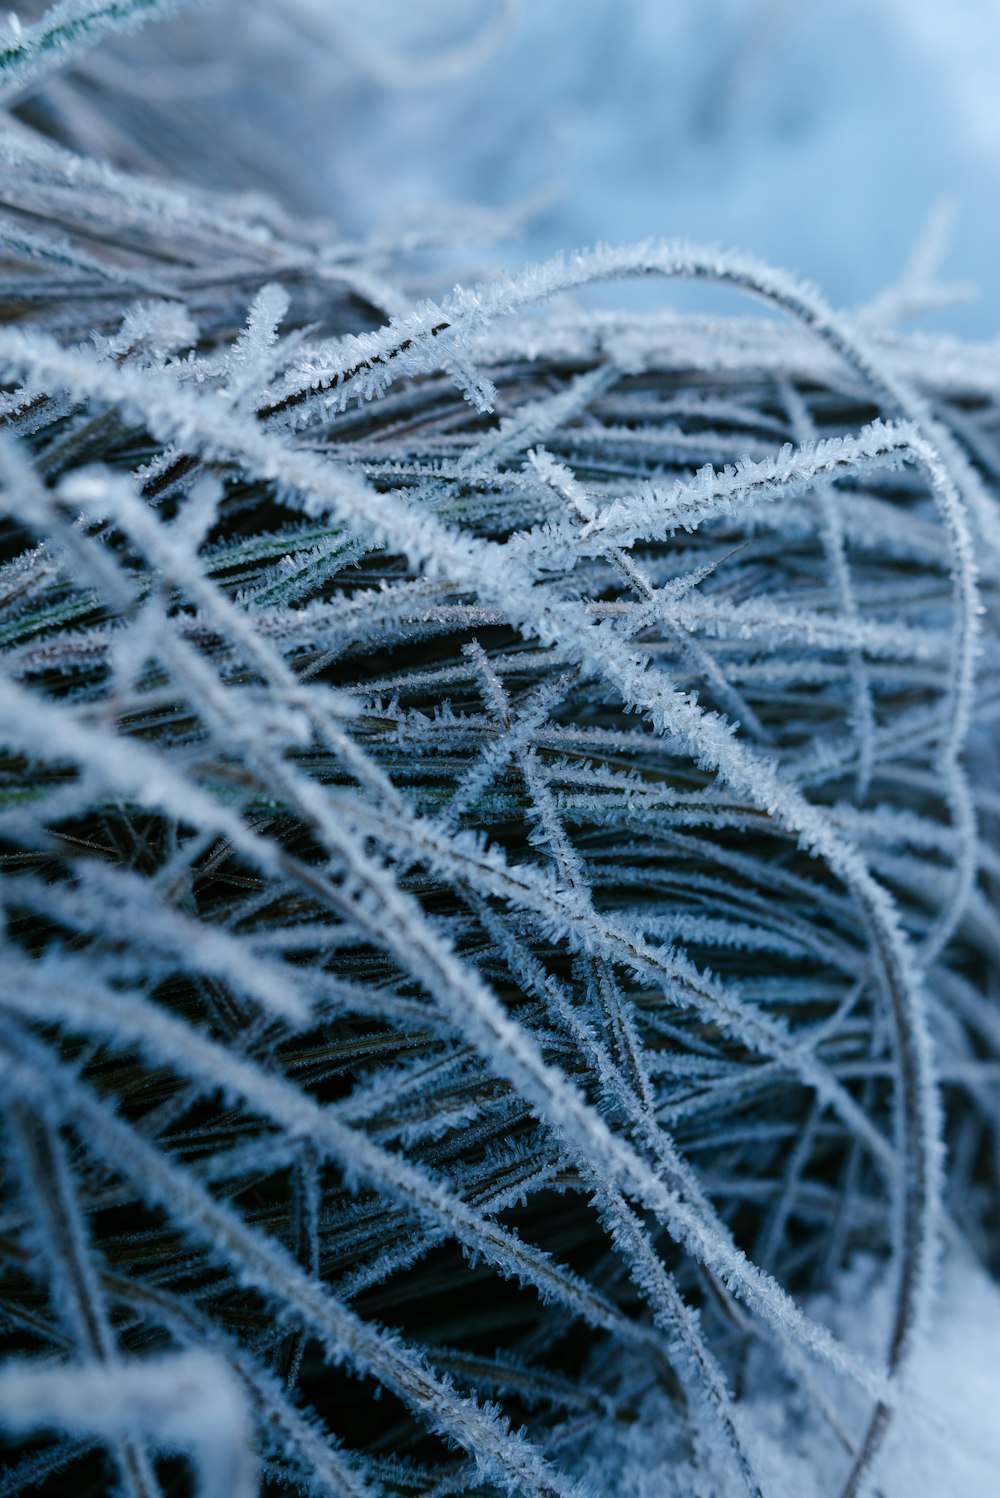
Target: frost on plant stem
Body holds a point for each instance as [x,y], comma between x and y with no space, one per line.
[499,815]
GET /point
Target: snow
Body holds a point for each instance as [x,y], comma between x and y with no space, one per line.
[944,1440]
[820,136]
[948,1442]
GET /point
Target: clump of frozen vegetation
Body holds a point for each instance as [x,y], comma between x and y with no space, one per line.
[500,815]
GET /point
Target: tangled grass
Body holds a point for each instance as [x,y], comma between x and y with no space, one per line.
[500,820]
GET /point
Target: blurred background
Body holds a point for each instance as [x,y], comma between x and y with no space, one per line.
[824,135]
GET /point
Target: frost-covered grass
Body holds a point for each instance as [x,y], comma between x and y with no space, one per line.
[500,819]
